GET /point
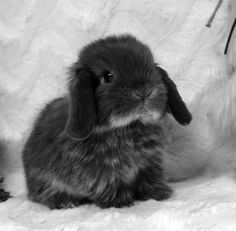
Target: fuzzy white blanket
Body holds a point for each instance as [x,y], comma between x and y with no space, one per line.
[39,39]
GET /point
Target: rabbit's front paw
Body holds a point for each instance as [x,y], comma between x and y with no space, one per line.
[161,192]
[71,203]
[64,201]
[122,199]
[158,192]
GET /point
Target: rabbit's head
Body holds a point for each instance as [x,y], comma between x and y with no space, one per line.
[115,82]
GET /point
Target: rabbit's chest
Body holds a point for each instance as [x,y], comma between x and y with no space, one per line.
[122,156]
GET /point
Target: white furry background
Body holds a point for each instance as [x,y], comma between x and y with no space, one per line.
[40,39]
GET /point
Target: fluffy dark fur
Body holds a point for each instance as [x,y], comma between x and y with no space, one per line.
[103,143]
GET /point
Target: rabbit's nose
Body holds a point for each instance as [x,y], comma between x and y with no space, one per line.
[142,94]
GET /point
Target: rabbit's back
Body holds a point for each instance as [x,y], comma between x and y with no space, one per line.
[45,143]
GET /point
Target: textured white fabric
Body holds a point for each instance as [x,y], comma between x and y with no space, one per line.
[40,39]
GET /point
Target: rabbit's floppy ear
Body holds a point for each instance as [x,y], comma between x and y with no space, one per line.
[175,104]
[82,106]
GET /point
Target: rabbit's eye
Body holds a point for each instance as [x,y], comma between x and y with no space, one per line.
[107,77]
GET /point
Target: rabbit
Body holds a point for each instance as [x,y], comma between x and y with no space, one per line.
[3,194]
[103,142]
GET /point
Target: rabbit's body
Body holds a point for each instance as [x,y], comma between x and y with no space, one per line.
[110,168]
[103,143]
